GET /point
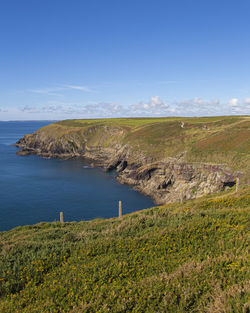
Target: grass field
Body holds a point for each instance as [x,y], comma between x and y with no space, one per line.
[190,257]
[218,140]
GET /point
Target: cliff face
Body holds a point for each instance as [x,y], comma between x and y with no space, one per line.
[171,180]
[165,179]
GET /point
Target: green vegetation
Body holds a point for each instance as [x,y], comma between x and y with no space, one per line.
[221,139]
[189,257]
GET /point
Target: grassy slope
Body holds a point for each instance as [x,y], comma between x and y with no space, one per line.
[224,140]
[189,257]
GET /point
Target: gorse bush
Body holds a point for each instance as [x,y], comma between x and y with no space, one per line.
[189,257]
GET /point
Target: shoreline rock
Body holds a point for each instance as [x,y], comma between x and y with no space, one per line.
[167,180]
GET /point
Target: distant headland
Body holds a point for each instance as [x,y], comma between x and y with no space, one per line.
[170,159]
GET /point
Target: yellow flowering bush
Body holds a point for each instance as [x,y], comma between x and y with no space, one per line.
[175,258]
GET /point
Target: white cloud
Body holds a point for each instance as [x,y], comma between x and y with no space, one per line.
[53,91]
[98,109]
[200,107]
[239,107]
[104,109]
[155,106]
[237,110]
[3,110]
[216,101]
[30,109]
[197,102]
[47,91]
[233,102]
[246,101]
[197,107]
[80,88]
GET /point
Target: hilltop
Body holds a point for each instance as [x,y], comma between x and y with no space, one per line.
[169,159]
[190,257]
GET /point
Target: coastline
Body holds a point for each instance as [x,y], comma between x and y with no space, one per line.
[166,180]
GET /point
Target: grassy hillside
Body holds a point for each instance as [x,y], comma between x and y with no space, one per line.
[189,257]
[224,139]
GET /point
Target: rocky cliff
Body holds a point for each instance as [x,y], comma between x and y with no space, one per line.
[164,178]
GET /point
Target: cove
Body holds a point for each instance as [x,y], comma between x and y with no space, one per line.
[33,189]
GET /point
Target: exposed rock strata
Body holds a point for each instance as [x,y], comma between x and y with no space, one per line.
[167,180]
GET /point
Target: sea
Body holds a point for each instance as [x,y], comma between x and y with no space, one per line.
[35,189]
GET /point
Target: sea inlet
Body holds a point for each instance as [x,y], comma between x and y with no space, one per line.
[34,189]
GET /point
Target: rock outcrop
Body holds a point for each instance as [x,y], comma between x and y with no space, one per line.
[166,180]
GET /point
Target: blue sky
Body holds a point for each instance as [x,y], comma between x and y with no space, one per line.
[93,58]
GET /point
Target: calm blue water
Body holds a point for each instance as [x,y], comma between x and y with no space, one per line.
[33,189]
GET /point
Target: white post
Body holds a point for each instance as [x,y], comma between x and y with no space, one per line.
[181,196]
[237,184]
[61,217]
[120,209]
